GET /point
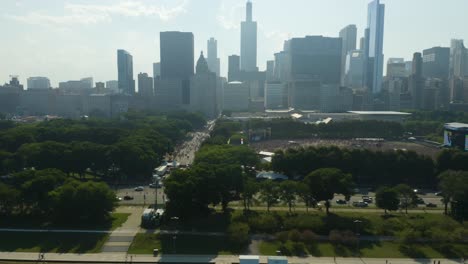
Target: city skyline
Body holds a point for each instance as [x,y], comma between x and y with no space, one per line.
[220,20]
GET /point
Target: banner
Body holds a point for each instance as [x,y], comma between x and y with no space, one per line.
[466,142]
[447,138]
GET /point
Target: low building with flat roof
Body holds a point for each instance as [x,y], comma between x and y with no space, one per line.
[381,115]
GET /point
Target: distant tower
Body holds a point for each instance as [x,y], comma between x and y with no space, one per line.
[249,42]
[125,72]
[212,59]
[416,85]
[234,68]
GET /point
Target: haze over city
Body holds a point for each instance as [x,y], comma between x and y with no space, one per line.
[67,40]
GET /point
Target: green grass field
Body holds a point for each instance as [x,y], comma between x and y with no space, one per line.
[58,242]
[184,244]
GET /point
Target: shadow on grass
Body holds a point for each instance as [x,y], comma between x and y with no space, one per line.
[52,242]
[198,244]
[412,251]
[451,250]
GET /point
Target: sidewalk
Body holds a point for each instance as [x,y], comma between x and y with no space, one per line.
[221,259]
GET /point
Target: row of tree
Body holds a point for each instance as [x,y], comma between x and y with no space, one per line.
[372,168]
[131,145]
[59,198]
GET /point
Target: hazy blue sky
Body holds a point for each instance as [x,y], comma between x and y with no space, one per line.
[67,40]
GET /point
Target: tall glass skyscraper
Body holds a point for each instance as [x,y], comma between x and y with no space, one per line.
[212,59]
[125,72]
[248,42]
[177,55]
[374,46]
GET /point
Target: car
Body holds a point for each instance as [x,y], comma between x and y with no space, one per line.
[118,198]
[153,185]
[431,205]
[139,189]
[340,201]
[367,199]
[128,197]
[420,200]
[360,204]
[438,194]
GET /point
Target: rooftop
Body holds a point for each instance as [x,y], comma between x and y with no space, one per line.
[456,126]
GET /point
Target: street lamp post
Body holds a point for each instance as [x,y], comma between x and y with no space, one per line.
[174,243]
[356,223]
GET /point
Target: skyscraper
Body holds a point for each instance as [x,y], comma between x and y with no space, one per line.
[233,68]
[348,37]
[145,85]
[436,63]
[374,46]
[177,55]
[212,59]
[248,42]
[416,82]
[458,59]
[125,72]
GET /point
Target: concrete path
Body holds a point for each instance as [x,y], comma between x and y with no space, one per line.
[221,259]
[121,238]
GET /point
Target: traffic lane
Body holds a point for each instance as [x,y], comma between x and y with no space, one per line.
[430,198]
[147,196]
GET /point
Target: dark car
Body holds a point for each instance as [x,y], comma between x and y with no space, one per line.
[420,200]
[340,201]
[128,197]
[431,205]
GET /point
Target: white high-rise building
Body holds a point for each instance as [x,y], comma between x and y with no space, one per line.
[248,42]
[38,83]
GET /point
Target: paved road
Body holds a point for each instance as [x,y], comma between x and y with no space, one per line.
[221,259]
[337,209]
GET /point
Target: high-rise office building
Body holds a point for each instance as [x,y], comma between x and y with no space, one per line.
[125,72]
[348,37]
[233,68]
[354,69]
[248,42]
[145,85]
[177,55]
[374,36]
[112,86]
[38,83]
[212,58]
[203,90]
[316,57]
[416,82]
[458,59]
[396,68]
[156,70]
[270,70]
[436,62]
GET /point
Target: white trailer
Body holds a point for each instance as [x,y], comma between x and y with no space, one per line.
[249,259]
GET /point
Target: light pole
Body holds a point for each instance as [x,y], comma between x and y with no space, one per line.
[174,219]
[174,243]
[356,223]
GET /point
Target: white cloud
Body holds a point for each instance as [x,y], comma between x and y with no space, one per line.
[230,14]
[93,14]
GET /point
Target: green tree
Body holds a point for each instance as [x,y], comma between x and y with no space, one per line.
[306,195]
[325,183]
[387,199]
[407,196]
[287,193]
[250,189]
[269,193]
[454,186]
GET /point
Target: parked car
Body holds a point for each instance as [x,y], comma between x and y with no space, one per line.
[118,198]
[360,204]
[139,189]
[431,205]
[153,185]
[340,201]
[420,200]
[367,199]
[128,197]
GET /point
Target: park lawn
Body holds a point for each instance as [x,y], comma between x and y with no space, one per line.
[52,242]
[60,242]
[184,244]
[117,219]
[371,250]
